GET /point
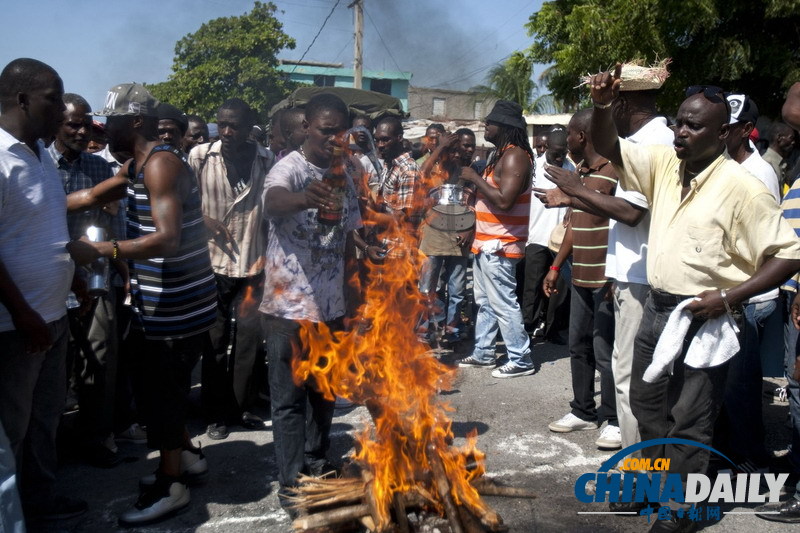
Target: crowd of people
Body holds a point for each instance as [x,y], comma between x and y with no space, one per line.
[220,242]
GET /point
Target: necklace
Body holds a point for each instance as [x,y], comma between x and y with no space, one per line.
[311,173]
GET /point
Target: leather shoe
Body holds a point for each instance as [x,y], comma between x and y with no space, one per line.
[217,431]
[788,512]
[251,421]
[627,507]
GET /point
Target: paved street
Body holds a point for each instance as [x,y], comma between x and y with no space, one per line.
[511,417]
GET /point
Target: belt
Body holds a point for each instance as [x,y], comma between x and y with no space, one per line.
[666,298]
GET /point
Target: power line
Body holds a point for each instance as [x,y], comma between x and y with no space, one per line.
[315,37]
[382,41]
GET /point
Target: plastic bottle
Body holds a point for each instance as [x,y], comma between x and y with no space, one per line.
[336,178]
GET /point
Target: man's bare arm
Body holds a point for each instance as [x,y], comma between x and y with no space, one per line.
[773,272]
[280,201]
[104,192]
[605,138]
[168,183]
[513,176]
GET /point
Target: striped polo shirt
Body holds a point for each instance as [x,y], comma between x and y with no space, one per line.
[791,212]
[509,227]
[590,232]
[173,297]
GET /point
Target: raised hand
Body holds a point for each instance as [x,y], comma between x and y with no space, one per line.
[605,86]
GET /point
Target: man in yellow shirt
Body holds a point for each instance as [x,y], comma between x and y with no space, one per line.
[717,235]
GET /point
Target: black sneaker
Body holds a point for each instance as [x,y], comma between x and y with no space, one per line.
[251,421]
[510,370]
[674,524]
[217,431]
[787,512]
[470,361]
[166,497]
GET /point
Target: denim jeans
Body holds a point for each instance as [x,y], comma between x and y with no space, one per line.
[792,349]
[591,336]
[11,520]
[740,429]
[682,405]
[455,273]
[498,308]
[301,417]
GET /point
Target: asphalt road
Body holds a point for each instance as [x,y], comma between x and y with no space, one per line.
[511,417]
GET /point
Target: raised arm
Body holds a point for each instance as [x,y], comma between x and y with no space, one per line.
[605,88]
[280,201]
[586,199]
[104,192]
[513,176]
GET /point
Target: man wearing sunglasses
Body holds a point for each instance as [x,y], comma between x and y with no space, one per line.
[716,235]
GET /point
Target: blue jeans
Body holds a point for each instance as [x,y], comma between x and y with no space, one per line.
[301,417]
[498,308]
[455,273]
[740,427]
[792,349]
[11,519]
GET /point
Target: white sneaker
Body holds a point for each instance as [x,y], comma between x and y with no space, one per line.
[160,501]
[570,422]
[610,438]
[194,468]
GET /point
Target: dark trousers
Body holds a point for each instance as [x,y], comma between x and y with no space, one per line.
[93,355]
[536,306]
[32,391]
[591,339]
[165,370]
[682,405]
[301,417]
[231,370]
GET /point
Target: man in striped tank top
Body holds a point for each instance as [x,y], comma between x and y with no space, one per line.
[501,230]
[172,288]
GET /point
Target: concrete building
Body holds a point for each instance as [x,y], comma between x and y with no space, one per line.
[335,75]
[443,104]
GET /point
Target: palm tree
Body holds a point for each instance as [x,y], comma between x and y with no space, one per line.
[510,80]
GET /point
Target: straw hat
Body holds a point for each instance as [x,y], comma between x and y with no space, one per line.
[635,76]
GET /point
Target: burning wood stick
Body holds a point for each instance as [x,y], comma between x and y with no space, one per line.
[399,505]
[443,487]
[332,517]
[487,487]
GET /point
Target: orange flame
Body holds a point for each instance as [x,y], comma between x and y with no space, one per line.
[382,364]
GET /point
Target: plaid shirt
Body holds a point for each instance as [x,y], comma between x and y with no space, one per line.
[84,173]
[398,182]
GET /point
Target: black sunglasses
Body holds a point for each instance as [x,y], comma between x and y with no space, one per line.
[712,93]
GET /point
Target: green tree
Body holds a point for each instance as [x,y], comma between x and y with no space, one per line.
[510,80]
[740,45]
[229,57]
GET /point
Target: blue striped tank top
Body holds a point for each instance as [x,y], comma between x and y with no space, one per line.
[173,297]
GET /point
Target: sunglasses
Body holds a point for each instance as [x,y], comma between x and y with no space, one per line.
[712,93]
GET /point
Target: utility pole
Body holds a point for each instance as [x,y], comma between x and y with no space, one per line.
[358,62]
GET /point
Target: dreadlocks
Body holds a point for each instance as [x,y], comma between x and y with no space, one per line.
[510,136]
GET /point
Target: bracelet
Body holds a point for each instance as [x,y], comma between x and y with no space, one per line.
[115,252]
[555,268]
[603,106]
[724,294]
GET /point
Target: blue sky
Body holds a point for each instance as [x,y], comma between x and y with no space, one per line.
[95,44]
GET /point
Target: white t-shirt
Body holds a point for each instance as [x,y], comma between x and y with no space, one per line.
[759,168]
[304,261]
[33,229]
[626,259]
[543,220]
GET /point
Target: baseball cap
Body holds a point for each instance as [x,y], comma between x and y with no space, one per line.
[129,99]
[743,109]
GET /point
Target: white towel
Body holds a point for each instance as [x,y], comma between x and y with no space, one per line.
[715,342]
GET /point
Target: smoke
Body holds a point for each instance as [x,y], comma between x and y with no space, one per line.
[444,44]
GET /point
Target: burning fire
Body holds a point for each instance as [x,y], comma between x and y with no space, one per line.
[380,363]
